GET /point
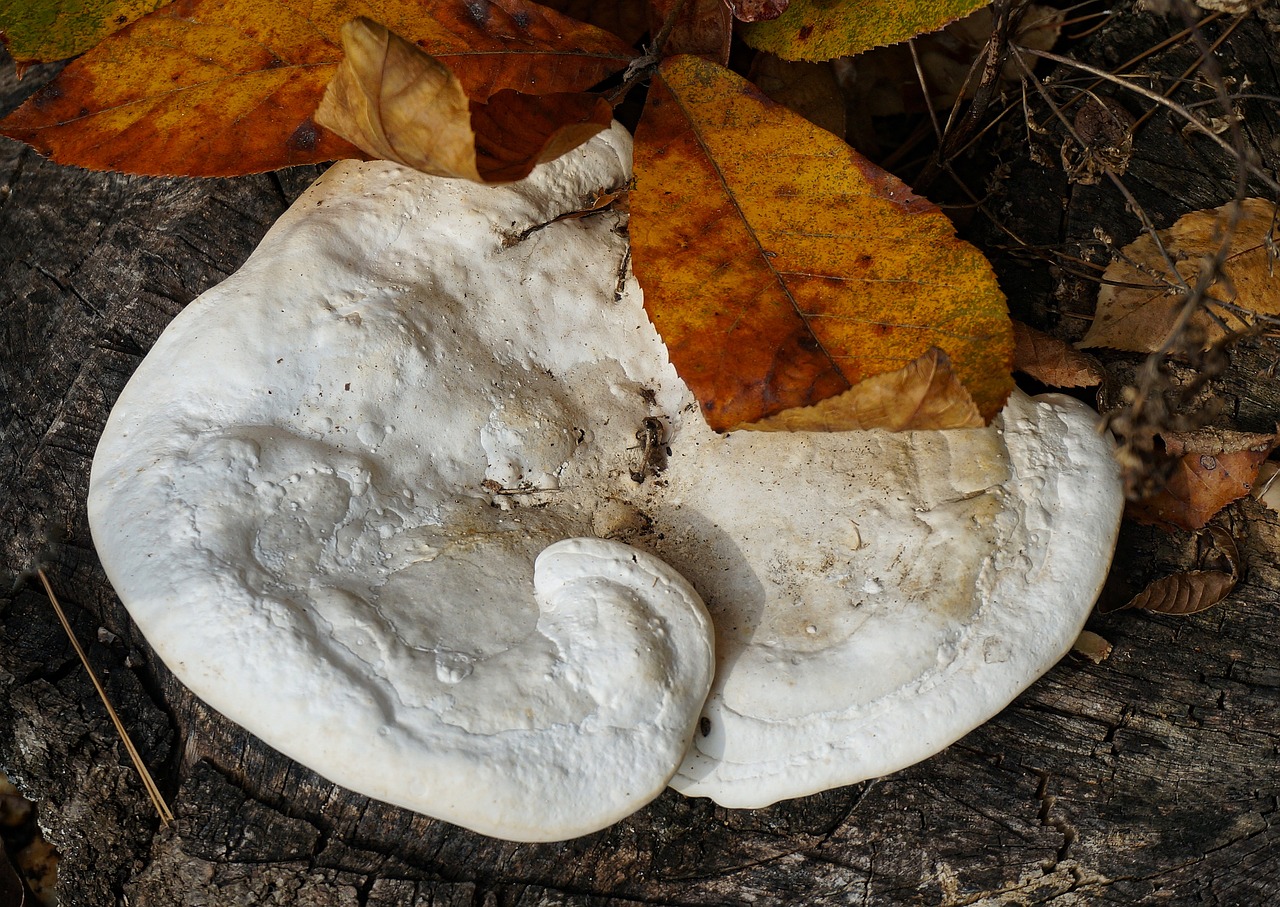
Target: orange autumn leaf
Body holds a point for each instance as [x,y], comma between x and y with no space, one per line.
[1214,467]
[781,267]
[226,87]
[397,103]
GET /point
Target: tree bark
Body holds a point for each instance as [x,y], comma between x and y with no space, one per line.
[1154,775]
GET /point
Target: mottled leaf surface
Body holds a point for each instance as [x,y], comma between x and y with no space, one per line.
[39,31]
[214,88]
[782,268]
[826,29]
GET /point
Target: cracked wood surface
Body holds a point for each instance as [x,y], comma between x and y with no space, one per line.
[1154,776]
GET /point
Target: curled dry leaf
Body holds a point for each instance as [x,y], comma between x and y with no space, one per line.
[1195,590]
[1101,141]
[1265,487]
[228,87]
[826,29]
[923,395]
[704,27]
[1234,7]
[757,10]
[782,268]
[1053,361]
[40,31]
[1214,467]
[1139,302]
[1185,593]
[395,102]
[1091,646]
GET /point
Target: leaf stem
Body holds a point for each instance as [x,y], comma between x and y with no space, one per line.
[643,66]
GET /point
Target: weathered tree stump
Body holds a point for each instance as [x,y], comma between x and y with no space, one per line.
[1154,776]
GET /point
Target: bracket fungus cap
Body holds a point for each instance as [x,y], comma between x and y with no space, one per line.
[298,510]
[329,493]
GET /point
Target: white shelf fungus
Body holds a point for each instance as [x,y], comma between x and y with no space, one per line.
[358,495]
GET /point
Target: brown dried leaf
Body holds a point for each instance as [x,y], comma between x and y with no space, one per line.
[1195,590]
[383,88]
[704,28]
[397,103]
[1139,302]
[1185,593]
[1222,553]
[1052,361]
[757,10]
[809,89]
[923,395]
[1265,487]
[1214,468]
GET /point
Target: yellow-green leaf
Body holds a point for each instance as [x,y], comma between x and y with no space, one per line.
[826,29]
[781,267]
[38,31]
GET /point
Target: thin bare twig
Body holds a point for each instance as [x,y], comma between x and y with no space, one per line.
[153,791]
[1254,170]
[641,67]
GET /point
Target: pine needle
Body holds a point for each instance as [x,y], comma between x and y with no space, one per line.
[157,799]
